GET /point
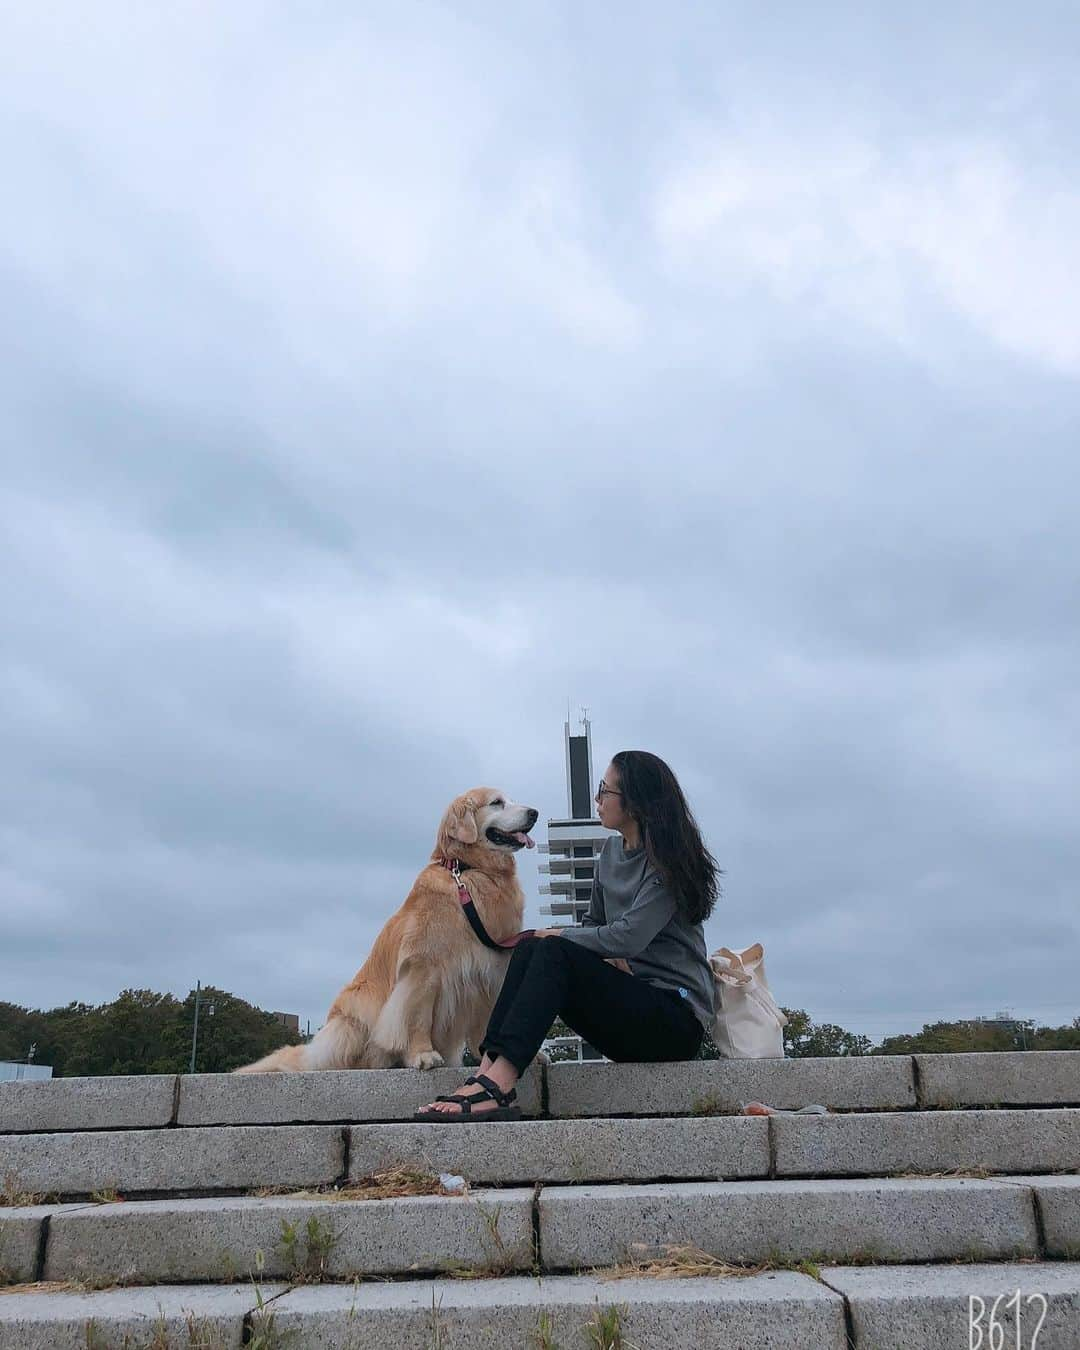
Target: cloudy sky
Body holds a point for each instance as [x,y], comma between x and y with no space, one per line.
[379,379]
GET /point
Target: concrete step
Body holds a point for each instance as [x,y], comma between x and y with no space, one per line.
[35,1106]
[953,1307]
[1012,1078]
[743,1222]
[730,1147]
[75,1104]
[847,1308]
[780,1310]
[721,1086]
[212,1159]
[331,1095]
[1057,1202]
[210,1317]
[523,1152]
[858,1083]
[702,1087]
[199,1160]
[1034,1140]
[205,1160]
[22,1234]
[290,1237]
[577,1228]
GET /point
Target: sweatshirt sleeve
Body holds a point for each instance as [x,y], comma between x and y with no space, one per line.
[653,909]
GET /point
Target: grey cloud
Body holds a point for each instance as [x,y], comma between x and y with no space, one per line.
[335,466]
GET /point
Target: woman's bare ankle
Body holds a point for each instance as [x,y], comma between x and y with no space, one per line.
[503,1072]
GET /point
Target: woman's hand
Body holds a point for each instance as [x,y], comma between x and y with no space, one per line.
[547,932]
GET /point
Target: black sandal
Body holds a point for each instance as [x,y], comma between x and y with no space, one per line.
[504,1110]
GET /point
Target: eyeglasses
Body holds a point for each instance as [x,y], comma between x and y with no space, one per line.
[604,791]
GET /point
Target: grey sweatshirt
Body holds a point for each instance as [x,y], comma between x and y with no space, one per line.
[634,915]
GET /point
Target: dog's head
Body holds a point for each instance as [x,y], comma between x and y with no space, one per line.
[484,819]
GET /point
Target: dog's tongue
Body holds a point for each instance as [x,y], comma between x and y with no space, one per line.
[523,838]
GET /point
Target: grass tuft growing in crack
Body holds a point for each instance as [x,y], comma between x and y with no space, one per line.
[604,1330]
[13,1196]
[266,1333]
[544,1333]
[307,1251]
[685,1261]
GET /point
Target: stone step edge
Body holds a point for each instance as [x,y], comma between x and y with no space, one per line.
[340,1175]
[689,1114]
[348,1122]
[415,1304]
[38,1314]
[489,1197]
[87,1200]
[275,1288]
[168,1087]
[784,1310]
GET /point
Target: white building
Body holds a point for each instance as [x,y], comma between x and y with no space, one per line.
[11,1072]
[573,844]
[574,841]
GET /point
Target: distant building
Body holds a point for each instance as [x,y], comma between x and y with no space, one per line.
[11,1072]
[573,845]
[1004,1019]
[290,1021]
[574,842]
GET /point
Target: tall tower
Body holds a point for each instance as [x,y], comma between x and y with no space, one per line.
[574,842]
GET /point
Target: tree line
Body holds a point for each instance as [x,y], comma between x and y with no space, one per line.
[804,1038]
[145,1032]
[142,1032]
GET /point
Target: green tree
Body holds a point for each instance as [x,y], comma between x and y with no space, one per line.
[951,1038]
[141,1032]
[805,1039]
[18,1031]
[54,1034]
[1056,1038]
[127,1036]
[234,1033]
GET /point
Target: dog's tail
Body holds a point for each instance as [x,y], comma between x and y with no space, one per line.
[341,1044]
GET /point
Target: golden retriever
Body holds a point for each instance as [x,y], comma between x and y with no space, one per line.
[429,985]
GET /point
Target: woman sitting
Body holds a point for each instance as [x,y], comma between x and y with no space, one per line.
[634,979]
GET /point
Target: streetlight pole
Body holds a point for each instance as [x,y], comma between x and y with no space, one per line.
[195,1028]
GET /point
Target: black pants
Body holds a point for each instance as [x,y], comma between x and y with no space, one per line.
[624,1017]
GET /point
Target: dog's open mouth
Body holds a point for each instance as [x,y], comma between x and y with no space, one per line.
[503,840]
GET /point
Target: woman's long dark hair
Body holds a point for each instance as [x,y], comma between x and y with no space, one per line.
[673,845]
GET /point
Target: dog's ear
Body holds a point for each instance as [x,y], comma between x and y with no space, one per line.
[459,823]
[463,823]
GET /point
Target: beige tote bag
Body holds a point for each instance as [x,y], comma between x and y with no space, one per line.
[749,1024]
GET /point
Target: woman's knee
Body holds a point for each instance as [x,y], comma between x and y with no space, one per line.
[552,949]
[525,950]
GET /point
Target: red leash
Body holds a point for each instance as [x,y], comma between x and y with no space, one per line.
[453,866]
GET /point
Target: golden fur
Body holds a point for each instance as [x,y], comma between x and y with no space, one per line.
[429,985]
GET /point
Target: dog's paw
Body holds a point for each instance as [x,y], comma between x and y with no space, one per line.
[427,1059]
